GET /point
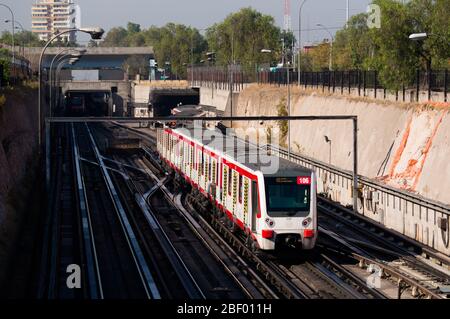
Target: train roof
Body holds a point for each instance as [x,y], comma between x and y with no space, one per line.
[243,152]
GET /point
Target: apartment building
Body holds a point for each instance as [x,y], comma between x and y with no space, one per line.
[52,16]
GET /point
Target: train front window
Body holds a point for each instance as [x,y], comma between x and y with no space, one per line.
[286,196]
[76,101]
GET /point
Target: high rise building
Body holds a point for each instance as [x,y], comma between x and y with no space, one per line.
[52,16]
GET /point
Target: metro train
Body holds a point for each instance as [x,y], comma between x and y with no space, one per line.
[272,209]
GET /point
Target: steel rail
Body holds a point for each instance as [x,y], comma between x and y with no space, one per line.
[187,279]
[144,272]
[93,270]
[286,288]
[198,229]
[364,259]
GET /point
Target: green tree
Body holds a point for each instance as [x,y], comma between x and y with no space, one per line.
[26,38]
[172,43]
[5,61]
[116,37]
[133,28]
[241,37]
[352,45]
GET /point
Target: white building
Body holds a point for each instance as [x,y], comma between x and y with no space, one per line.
[52,16]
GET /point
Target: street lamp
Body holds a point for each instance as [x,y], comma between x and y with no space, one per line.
[60,64]
[16,28]
[327,140]
[331,44]
[300,42]
[95,33]
[421,37]
[13,44]
[266,51]
[418,36]
[60,57]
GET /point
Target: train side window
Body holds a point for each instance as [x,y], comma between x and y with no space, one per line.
[191,149]
[213,171]
[246,189]
[225,182]
[230,181]
[209,168]
[240,189]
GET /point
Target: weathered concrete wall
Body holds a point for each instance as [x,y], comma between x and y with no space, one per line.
[215,97]
[404,145]
[18,131]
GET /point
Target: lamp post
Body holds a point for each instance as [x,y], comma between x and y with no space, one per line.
[331,44]
[327,140]
[12,34]
[421,37]
[287,64]
[300,42]
[61,62]
[95,33]
[16,28]
[59,57]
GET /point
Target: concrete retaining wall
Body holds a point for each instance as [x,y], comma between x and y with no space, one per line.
[215,97]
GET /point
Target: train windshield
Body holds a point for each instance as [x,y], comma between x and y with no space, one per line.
[76,101]
[288,196]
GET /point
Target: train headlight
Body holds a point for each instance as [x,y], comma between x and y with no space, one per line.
[306,222]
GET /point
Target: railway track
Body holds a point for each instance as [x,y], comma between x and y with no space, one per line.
[288,283]
[198,274]
[421,278]
[61,242]
[117,267]
[400,262]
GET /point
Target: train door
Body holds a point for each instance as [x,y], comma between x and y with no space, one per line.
[255,206]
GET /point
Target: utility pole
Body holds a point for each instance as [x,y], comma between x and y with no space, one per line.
[348,12]
[300,43]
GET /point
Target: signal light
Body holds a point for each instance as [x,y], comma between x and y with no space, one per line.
[308,233]
[267,234]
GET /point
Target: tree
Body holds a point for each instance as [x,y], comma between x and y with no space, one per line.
[352,45]
[241,37]
[172,43]
[320,57]
[116,37]
[133,27]
[26,38]
[136,65]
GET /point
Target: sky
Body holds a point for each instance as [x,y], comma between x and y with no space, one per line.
[197,13]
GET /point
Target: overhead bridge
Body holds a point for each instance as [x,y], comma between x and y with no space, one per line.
[99,71]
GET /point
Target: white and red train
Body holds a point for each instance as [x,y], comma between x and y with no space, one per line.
[270,209]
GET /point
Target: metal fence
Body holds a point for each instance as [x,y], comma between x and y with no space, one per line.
[359,82]
[223,78]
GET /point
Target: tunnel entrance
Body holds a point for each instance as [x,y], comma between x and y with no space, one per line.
[87,103]
[164,101]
